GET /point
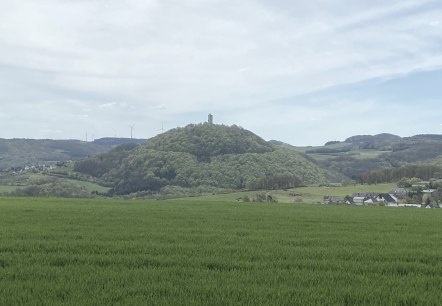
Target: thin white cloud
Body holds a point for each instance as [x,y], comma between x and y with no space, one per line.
[159,107]
[110,105]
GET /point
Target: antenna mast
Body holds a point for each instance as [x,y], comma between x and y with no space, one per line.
[131,130]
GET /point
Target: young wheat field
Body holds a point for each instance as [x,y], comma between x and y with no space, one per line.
[96,252]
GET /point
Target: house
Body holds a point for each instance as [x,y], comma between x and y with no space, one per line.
[368,198]
[359,200]
[386,198]
[369,201]
[428,191]
[363,198]
[399,193]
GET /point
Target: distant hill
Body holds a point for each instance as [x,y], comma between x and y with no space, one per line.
[384,137]
[114,141]
[426,137]
[202,157]
[382,142]
[23,152]
[210,157]
[359,155]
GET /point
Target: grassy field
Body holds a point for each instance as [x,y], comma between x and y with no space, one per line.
[312,194]
[8,188]
[96,252]
[89,186]
[12,182]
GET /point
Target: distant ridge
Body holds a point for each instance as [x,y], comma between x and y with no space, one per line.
[23,152]
[114,141]
[359,155]
[384,137]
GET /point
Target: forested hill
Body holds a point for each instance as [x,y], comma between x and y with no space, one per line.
[378,158]
[208,140]
[203,157]
[25,152]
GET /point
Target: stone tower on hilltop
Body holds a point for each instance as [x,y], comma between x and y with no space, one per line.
[210,120]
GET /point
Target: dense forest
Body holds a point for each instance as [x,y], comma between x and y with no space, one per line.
[423,172]
[203,157]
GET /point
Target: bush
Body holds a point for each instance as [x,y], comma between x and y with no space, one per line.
[298,200]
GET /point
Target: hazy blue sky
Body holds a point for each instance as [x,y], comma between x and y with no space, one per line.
[303,72]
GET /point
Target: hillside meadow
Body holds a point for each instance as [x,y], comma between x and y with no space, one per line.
[97,252]
[47,184]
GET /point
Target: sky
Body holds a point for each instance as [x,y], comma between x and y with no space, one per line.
[301,72]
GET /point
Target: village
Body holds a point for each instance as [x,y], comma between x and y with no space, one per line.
[34,168]
[421,194]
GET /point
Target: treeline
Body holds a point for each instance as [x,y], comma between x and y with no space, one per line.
[352,167]
[414,152]
[329,150]
[275,182]
[332,142]
[424,172]
[51,187]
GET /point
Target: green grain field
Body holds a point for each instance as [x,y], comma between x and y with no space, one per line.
[96,252]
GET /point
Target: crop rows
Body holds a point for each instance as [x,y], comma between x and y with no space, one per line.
[171,252]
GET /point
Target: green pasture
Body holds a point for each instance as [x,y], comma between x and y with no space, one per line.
[316,194]
[6,188]
[360,154]
[11,183]
[364,154]
[97,252]
[311,194]
[89,186]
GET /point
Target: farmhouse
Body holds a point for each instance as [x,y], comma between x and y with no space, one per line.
[428,191]
[386,198]
[399,193]
[360,199]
